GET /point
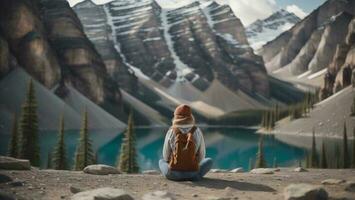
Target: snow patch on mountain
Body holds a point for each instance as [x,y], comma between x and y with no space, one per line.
[182,68]
[111,21]
[262,31]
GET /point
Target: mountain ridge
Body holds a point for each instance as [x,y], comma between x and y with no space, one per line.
[263,30]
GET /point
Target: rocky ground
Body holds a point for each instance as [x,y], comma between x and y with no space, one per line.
[52,184]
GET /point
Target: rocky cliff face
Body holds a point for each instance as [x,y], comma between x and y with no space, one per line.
[182,49]
[316,49]
[25,37]
[311,42]
[46,39]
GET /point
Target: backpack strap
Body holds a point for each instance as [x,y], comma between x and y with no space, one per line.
[192,130]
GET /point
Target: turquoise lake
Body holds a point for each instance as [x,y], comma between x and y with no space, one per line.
[228,147]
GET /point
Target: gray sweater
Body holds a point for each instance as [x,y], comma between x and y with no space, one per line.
[169,143]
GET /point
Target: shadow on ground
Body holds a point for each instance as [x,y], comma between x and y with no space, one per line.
[222,184]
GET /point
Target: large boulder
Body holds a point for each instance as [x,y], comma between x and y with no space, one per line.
[100,170]
[300,169]
[262,171]
[103,194]
[9,163]
[305,192]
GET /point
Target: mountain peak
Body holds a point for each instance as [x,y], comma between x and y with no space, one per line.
[262,31]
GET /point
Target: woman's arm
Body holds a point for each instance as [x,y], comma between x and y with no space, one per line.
[202,148]
[166,147]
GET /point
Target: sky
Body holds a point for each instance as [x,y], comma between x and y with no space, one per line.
[250,10]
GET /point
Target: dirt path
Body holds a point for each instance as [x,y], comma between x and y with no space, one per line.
[50,184]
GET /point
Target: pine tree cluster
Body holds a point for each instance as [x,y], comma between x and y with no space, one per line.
[341,158]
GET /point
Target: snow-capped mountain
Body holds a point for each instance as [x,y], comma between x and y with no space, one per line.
[262,31]
[191,52]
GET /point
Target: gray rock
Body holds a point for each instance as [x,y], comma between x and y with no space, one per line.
[332,181]
[305,192]
[262,171]
[350,186]
[151,172]
[103,193]
[237,170]
[100,170]
[74,189]
[9,163]
[16,183]
[158,195]
[300,169]
[218,170]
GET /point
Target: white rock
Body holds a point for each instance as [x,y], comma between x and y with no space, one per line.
[300,169]
[158,195]
[151,172]
[262,171]
[305,192]
[218,170]
[100,169]
[103,193]
[9,163]
[237,170]
[332,181]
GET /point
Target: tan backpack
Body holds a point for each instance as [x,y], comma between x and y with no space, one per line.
[183,157]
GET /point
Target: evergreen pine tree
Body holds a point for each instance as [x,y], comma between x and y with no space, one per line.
[127,159]
[346,156]
[13,146]
[263,120]
[314,156]
[84,154]
[250,164]
[96,158]
[337,153]
[323,161]
[260,157]
[308,160]
[28,146]
[292,112]
[49,161]
[59,155]
[272,120]
[267,119]
[277,112]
